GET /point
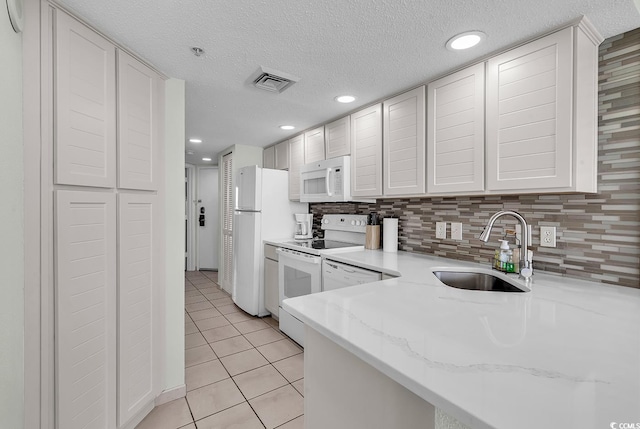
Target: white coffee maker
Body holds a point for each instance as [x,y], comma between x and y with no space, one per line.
[303,226]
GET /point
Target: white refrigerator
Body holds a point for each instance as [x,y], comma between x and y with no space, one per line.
[262,211]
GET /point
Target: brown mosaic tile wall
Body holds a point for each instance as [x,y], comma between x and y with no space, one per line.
[598,235]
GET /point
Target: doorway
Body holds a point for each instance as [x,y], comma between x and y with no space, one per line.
[208,218]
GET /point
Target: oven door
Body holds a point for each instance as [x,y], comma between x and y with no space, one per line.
[298,274]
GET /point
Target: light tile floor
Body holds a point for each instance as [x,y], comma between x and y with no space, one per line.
[241,371]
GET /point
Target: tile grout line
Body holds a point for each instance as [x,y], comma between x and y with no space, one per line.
[241,334]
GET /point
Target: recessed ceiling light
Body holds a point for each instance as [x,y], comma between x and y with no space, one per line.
[195,140]
[345,99]
[287,127]
[206,159]
[465,40]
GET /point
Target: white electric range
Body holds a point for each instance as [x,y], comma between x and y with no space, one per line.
[300,263]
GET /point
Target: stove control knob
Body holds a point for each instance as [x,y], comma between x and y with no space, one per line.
[353,222]
[325,220]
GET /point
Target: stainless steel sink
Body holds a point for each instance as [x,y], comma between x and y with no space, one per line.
[477,280]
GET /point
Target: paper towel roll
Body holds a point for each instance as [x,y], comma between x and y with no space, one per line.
[390,234]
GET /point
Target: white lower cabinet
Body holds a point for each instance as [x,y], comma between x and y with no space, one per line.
[85,308]
[107,319]
[138,315]
[271,295]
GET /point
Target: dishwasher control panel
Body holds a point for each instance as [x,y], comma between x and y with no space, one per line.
[336,275]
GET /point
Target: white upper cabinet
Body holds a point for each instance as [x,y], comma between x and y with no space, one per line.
[455,132]
[296,160]
[366,152]
[538,137]
[314,145]
[269,157]
[282,155]
[337,135]
[404,143]
[85,105]
[140,98]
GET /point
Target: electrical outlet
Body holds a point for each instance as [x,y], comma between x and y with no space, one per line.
[456,231]
[441,230]
[548,236]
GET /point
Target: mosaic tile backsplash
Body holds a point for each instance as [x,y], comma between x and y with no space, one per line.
[598,235]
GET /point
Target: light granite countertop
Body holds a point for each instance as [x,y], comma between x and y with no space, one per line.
[565,355]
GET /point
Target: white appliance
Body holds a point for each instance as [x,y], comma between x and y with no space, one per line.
[336,275]
[300,263]
[304,224]
[328,180]
[263,211]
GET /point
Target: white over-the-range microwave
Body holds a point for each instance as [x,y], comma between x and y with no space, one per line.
[327,181]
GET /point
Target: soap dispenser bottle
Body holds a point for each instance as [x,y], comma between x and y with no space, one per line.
[505,253]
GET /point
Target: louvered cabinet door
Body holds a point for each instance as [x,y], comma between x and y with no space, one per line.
[338,137]
[140,92]
[366,152]
[138,232]
[529,98]
[85,105]
[455,132]
[296,160]
[404,143]
[282,155]
[85,308]
[269,157]
[314,145]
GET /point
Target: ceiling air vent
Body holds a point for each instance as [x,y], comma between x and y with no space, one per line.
[273,80]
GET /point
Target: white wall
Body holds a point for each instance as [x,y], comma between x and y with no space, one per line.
[11,228]
[174,232]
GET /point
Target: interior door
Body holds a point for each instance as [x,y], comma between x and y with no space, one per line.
[208,239]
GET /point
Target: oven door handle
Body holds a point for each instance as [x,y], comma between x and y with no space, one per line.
[310,259]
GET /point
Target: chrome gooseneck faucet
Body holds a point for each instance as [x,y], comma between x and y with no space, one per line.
[526,271]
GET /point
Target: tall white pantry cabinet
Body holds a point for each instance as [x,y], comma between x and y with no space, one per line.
[108,243]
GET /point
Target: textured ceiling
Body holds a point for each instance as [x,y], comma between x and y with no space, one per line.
[370,49]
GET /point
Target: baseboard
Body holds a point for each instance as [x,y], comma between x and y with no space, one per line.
[171,395]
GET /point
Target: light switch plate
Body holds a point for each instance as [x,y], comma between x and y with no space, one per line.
[441,230]
[548,236]
[456,231]
[519,233]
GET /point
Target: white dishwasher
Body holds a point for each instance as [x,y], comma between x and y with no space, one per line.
[336,275]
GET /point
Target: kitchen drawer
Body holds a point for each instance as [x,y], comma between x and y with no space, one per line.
[270,252]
